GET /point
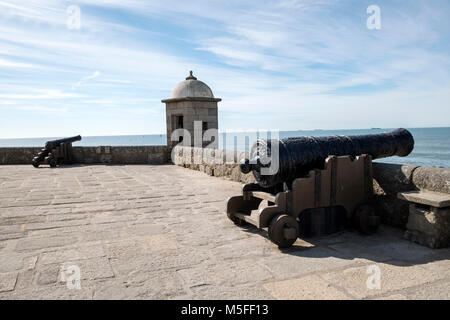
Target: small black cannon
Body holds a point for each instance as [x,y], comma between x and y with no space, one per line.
[56,152]
[318,185]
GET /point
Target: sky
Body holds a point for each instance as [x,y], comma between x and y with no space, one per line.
[102,67]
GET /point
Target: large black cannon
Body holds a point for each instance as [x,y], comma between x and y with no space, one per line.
[312,186]
[297,156]
[56,152]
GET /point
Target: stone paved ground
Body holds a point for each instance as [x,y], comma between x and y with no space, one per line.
[160,232]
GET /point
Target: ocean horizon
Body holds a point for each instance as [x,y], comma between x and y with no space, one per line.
[432,145]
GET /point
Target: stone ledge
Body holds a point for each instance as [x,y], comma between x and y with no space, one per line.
[429,198]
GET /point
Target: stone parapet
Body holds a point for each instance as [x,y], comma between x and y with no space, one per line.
[91,155]
[390,179]
[214,162]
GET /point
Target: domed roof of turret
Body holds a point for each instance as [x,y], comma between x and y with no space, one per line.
[191,88]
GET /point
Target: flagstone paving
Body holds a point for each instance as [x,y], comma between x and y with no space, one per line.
[160,232]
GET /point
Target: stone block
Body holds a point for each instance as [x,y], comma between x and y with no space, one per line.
[44,243]
[8,281]
[432,179]
[393,276]
[429,226]
[230,157]
[56,292]
[80,253]
[235,174]
[90,269]
[220,170]
[48,274]
[230,273]
[388,180]
[143,285]
[11,262]
[307,288]
[209,170]
[439,290]
[245,292]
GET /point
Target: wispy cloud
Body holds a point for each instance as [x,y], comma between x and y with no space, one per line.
[13,64]
[85,79]
[38,94]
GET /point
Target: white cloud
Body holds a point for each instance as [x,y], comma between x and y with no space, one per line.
[13,64]
[48,94]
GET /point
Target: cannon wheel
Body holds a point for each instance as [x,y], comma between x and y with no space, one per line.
[283,230]
[35,163]
[366,219]
[52,163]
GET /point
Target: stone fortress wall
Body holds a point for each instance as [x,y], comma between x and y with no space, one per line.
[92,155]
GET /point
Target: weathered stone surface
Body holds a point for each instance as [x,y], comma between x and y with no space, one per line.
[392,297]
[429,226]
[79,253]
[109,217]
[10,229]
[11,262]
[307,288]
[42,243]
[213,162]
[427,198]
[226,273]
[7,281]
[402,250]
[54,224]
[392,278]
[143,285]
[302,262]
[156,261]
[393,178]
[58,292]
[90,269]
[48,274]
[439,290]
[432,179]
[242,292]
[388,180]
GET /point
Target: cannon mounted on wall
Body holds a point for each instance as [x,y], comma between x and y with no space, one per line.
[56,152]
[319,185]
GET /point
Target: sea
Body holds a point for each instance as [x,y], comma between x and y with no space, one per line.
[432,145]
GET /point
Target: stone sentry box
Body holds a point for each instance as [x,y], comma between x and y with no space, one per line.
[191,100]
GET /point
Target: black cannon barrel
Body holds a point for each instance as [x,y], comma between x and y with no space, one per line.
[54,143]
[297,156]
